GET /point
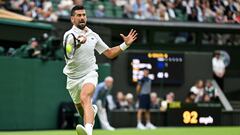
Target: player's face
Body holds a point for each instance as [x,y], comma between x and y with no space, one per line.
[79,19]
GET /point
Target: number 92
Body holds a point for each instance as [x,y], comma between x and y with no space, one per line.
[190,117]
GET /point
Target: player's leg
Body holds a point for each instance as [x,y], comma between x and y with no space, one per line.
[80,110]
[74,88]
[86,102]
[88,88]
[80,129]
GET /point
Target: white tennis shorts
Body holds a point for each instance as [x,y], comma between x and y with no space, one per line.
[74,86]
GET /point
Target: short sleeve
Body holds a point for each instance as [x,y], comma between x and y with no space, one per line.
[100,46]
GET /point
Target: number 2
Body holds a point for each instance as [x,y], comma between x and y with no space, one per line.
[190,117]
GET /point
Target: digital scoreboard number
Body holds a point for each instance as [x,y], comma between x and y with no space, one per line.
[191,115]
[165,68]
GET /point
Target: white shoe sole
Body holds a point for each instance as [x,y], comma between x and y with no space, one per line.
[81,130]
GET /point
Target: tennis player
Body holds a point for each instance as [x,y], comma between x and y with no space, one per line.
[81,69]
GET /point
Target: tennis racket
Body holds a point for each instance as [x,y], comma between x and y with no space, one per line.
[70,45]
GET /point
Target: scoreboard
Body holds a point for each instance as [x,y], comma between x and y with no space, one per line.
[165,68]
[201,114]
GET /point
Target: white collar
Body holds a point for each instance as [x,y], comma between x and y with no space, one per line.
[79,31]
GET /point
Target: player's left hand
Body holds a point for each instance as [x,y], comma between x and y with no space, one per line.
[130,38]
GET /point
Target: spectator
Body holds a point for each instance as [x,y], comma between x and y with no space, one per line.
[229,17]
[11,52]
[170,97]
[64,7]
[237,5]
[198,90]
[130,101]
[128,11]
[2,50]
[100,99]
[230,7]
[206,98]
[151,10]
[32,12]
[190,97]
[208,14]
[218,69]
[219,18]
[100,11]
[139,15]
[24,6]
[170,10]
[120,3]
[193,16]
[155,104]
[31,50]
[110,103]
[121,103]
[211,91]
[50,16]
[46,4]
[237,17]
[216,4]
[198,9]
[157,3]
[139,7]
[78,2]
[188,6]
[162,14]
[181,5]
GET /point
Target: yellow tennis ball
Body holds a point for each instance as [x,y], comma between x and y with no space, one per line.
[69,48]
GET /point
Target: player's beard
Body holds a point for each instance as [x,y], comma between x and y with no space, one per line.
[81,25]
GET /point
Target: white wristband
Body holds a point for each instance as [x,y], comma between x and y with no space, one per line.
[123,46]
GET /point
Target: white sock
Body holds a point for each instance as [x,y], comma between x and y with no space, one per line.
[89,128]
[148,122]
[139,122]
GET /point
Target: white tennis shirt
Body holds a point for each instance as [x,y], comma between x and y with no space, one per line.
[84,60]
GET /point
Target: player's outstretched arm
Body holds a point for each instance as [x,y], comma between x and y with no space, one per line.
[128,40]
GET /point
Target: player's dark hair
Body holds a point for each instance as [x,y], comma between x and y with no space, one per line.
[77,7]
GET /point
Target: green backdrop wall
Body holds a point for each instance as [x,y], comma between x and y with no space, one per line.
[31,91]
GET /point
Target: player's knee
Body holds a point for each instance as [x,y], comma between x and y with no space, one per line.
[84,98]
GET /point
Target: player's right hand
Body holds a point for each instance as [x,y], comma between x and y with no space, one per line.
[82,39]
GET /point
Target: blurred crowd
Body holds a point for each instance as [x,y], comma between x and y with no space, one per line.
[202,92]
[219,11]
[127,102]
